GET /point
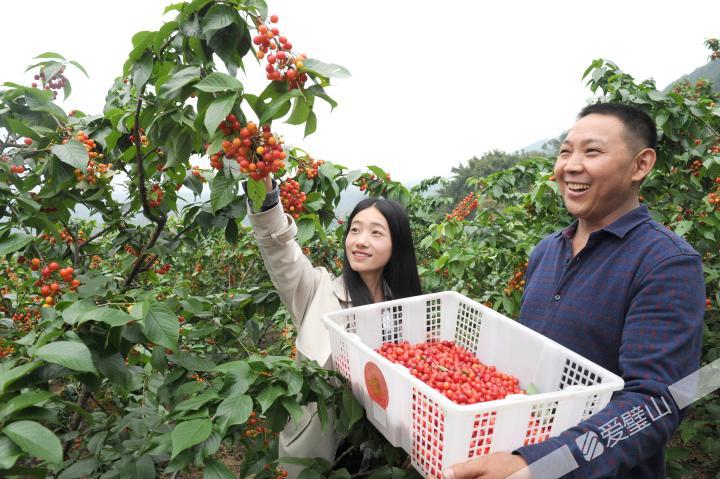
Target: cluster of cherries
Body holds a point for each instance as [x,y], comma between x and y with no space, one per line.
[65,237]
[517,282]
[292,198]
[364,182]
[453,370]
[24,319]
[6,350]
[282,64]
[156,195]
[257,152]
[131,251]
[56,82]
[311,169]
[162,269]
[197,173]
[49,288]
[463,209]
[143,139]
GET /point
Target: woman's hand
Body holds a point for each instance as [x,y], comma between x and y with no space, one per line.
[268,183]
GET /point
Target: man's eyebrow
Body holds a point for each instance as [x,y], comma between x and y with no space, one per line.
[585,142]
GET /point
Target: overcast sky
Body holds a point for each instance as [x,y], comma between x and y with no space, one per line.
[433,83]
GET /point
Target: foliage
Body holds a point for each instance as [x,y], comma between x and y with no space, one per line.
[152,341]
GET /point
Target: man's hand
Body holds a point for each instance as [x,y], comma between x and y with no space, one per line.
[498,465]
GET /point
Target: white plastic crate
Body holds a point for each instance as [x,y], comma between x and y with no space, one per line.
[434,430]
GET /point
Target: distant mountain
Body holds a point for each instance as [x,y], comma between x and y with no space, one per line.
[709,71]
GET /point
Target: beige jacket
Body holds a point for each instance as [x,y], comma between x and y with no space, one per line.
[308,293]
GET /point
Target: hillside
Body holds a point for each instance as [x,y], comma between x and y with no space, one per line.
[709,71]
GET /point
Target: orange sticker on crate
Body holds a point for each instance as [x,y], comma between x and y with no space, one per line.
[376,385]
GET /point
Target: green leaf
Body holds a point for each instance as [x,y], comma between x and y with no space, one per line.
[14,242]
[235,409]
[327,70]
[216,470]
[293,379]
[113,317]
[274,109]
[222,191]
[218,110]
[196,402]
[267,396]
[217,17]
[50,55]
[80,469]
[188,433]
[9,376]
[683,227]
[73,153]
[218,81]
[172,87]
[306,229]
[351,407]
[310,474]
[142,468]
[231,231]
[291,406]
[142,69]
[300,113]
[192,363]
[9,453]
[114,368]
[35,439]
[531,389]
[163,34]
[24,400]
[19,128]
[77,310]
[327,170]
[256,192]
[161,326]
[71,354]
[656,95]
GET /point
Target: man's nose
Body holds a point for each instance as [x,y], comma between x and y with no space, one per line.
[573,163]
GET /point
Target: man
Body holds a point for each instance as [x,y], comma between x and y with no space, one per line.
[621,290]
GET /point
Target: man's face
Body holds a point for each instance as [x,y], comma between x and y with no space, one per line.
[596,171]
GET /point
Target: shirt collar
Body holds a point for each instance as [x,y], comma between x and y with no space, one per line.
[619,228]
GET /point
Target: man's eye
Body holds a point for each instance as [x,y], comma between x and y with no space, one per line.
[564,152]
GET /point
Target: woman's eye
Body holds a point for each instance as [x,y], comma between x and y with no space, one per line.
[377,233]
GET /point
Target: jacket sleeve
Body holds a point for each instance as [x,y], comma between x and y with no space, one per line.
[292,274]
[661,344]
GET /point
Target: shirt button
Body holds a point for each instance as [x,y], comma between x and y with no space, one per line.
[557,297]
[567,260]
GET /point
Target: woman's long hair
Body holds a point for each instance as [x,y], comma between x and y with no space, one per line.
[400,272]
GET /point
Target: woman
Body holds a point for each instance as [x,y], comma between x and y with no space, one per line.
[379,264]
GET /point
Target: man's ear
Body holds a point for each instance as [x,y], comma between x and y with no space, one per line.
[644,162]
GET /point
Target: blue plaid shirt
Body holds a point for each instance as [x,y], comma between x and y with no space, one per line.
[633,302]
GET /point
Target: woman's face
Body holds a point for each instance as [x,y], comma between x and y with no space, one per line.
[368,244]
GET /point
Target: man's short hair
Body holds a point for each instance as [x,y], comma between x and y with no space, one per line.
[640,129]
